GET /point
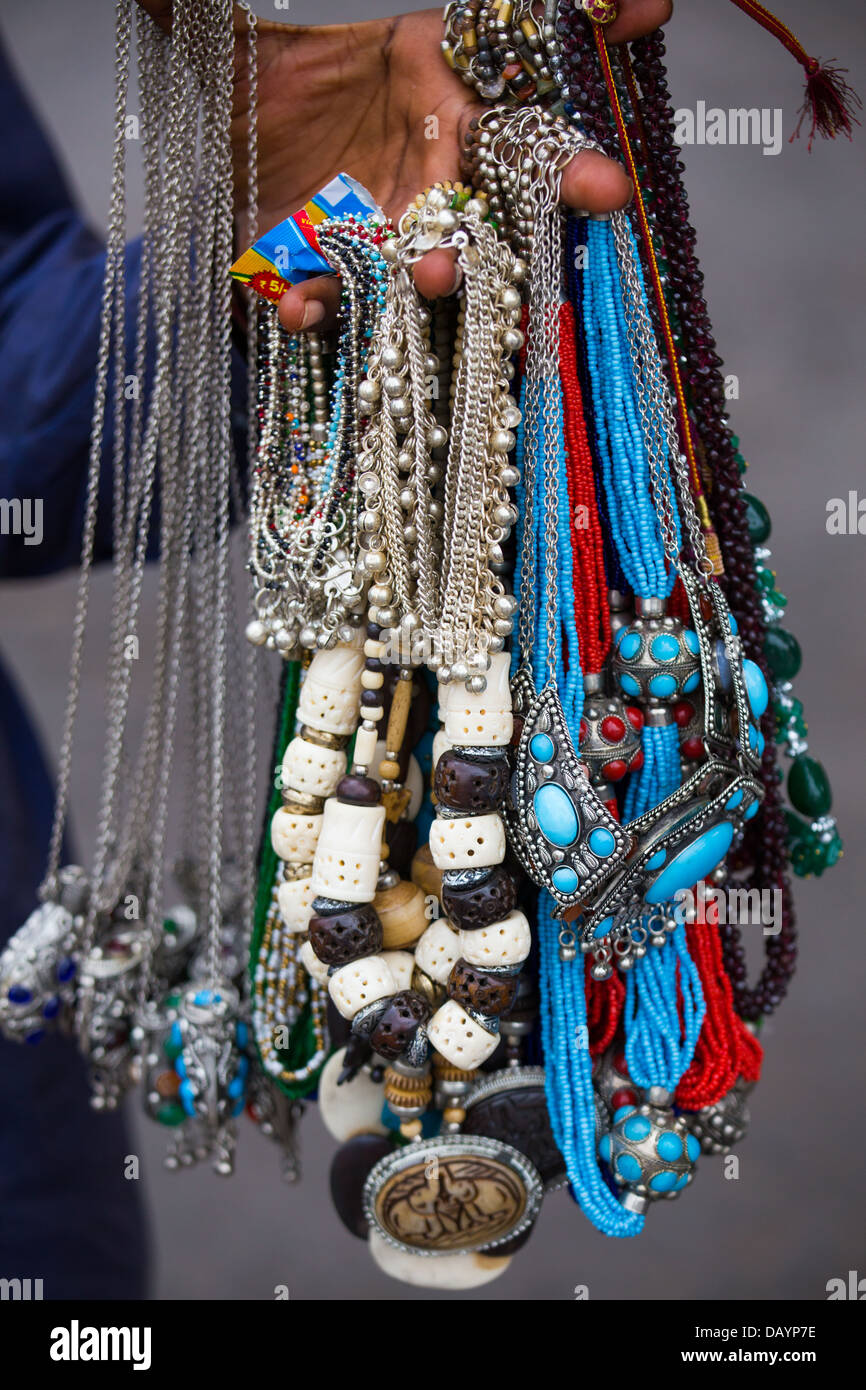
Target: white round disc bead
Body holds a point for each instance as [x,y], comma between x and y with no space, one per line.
[353,1108]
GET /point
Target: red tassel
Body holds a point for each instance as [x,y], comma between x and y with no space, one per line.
[830,101]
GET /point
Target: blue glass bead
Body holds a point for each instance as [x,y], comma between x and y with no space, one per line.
[665,647]
[629,684]
[541,747]
[628,1167]
[19,995]
[66,968]
[691,640]
[242,1034]
[555,813]
[636,1128]
[601,842]
[756,688]
[724,666]
[657,860]
[662,685]
[692,863]
[733,801]
[236,1087]
[564,879]
[175,1036]
[180,1066]
[753,810]
[663,1182]
[693,1148]
[756,741]
[52,1008]
[630,645]
[669,1147]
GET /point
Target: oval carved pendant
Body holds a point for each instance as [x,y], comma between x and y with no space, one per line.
[454,1194]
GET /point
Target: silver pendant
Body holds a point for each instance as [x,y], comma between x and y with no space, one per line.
[558,826]
[39,965]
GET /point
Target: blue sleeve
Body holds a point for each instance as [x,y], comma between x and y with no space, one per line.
[51,270]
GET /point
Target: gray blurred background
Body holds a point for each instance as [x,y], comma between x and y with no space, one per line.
[781,242]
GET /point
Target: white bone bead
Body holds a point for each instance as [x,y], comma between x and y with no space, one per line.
[346,865]
[350,1109]
[401,964]
[466,1271]
[311,963]
[458,1038]
[465,726]
[502,943]
[307,767]
[366,743]
[330,690]
[294,835]
[295,898]
[438,950]
[360,983]
[467,842]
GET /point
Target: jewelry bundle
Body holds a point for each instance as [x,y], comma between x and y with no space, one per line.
[532,675]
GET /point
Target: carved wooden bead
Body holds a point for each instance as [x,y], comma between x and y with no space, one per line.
[401,964]
[473,785]
[346,936]
[294,835]
[359,791]
[467,842]
[478,906]
[308,767]
[360,983]
[330,689]
[438,951]
[346,865]
[502,943]
[441,743]
[403,913]
[425,873]
[398,1024]
[295,897]
[481,990]
[311,963]
[459,1038]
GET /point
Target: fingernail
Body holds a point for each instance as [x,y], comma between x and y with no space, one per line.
[314,312]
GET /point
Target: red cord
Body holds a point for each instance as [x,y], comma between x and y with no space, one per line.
[726,1050]
[590,584]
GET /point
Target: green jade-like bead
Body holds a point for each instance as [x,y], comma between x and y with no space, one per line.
[758,521]
[809,787]
[783,654]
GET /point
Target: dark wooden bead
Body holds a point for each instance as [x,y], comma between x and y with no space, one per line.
[359,791]
[346,936]
[484,990]
[474,785]
[518,1116]
[402,840]
[474,907]
[349,1168]
[399,1022]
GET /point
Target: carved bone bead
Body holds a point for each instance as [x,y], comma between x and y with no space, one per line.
[401,964]
[467,842]
[485,718]
[502,943]
[360,983]
[346,865]
[308,767]
[330,690]
[294,835]
[438,951]
[295,898]
[459,1039]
